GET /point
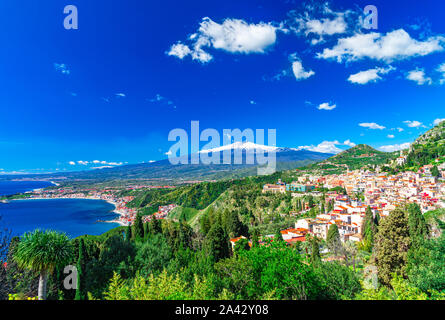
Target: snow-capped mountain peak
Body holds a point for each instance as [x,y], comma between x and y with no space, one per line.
[245,146]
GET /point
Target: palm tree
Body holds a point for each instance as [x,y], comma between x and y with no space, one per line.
[42,251]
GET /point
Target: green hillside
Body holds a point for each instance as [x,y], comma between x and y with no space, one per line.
[427,148]
[360,156]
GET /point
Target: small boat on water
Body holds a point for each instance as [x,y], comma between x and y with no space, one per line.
[4,201]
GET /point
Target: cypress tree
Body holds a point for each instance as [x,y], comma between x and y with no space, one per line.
[146,231]
[217,243]
[128,234]
[278,236]
[80,291]
[435,172]
[138,227]
[333,238]
[369,227]
[155,226]
[418,228]
[391,246]
[255,238]
[315,252]
[311,201]
[234,226]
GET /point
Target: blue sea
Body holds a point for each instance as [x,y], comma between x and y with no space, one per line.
[75,217]
[8,188]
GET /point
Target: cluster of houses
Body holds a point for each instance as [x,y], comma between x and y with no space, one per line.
[162,213]
[281,187]
[380,191]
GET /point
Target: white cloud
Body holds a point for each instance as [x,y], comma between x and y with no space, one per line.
[412,124]
[391,136]
[328,146]
[441,69]
[115,163]
[395,147]
[102,167]
[157,98]
[85,163]
[162,100]
[372,125]
[319,21]
[62,68]
[252,102]
[324,147]
[437,121]
[326,26]
[120,95]
[349,143]
[299,72]
[419,77]
[233,35]
[395,45]
[326,106]
[371,75]
[179,50]
[400,129]
[237,36]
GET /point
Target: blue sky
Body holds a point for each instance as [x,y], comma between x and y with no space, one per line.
[109,93]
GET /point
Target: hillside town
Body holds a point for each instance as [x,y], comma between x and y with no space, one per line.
[378,190]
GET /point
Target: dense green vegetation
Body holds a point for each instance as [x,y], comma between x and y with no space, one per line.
[168,260]
[427,148]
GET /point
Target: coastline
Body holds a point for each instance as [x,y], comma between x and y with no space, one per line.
[119,212]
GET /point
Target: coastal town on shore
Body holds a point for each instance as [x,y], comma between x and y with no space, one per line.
[127,215]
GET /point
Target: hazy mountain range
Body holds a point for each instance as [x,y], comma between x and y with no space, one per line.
[286,158]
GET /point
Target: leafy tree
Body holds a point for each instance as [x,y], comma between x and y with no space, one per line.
[42,252]
[116,255]
[217,243]
[426,265]
[240,245]
[400,289]
[315,251]
[234,227]
[338,281]
[418,228]
[236,276]
[128,234]
[278,271]
[311,201]
[255,238]
[333,238]
[435,172]
[369,227]
[138,228]
[81,294]
[153,255]
[392,244]
[185,235]
[278,236]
